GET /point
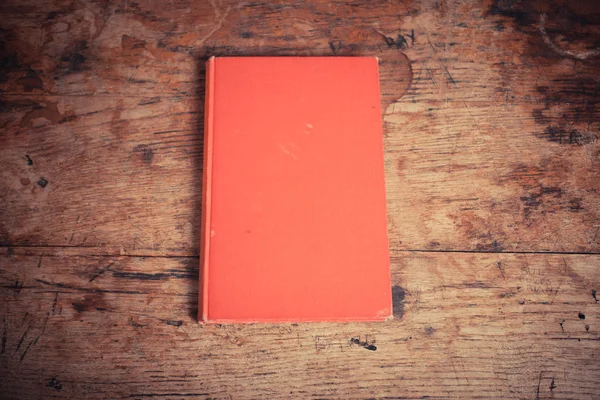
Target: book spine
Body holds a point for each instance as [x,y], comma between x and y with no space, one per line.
[205,233]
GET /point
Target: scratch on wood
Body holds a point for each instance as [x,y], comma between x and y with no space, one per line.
[32,343]
[450,76]
[152,277]
[4,335]
[564,274]
[102,271]
[22,339]
[499,266]
[135,324]
[44,325]
[80,289]
[54,303]
[177,323]
[18,287]
[455,374]
[219,17]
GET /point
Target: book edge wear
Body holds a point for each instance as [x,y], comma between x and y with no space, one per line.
[206,191]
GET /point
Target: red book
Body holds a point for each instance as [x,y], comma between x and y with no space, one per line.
[294,224]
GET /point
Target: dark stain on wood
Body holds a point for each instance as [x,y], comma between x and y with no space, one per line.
[476,285]
[46,110]
[83,289]
[575,204]
[43,182]
[571,28]
[581,315]
[54,303]
[494,246]
[28,159]
[17,105]
[146,153]
[90,302]
[486,235]
[594,295]
[132,46]
[4,335]
[552,385]
[571,18]
[398,295]
[399,42]
[151,100]
[9,60]
[533,201]
[523,16]
[506,295]
[364,344]
[17,286]
[135,324]
[566,134]
[54,383]
[74,58]
[335,46]
[31,81]
[118,126]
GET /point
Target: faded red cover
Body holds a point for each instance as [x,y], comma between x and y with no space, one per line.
[294,223]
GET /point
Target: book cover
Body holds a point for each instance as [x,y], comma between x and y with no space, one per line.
[294,223]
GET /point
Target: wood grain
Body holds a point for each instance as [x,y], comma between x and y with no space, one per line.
[491,150]
[466,325]
[491,137]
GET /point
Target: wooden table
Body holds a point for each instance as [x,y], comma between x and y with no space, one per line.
[491,117]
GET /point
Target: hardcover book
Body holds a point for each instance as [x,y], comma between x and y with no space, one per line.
[294,224]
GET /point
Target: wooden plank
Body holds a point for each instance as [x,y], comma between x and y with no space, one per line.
[124,177]
[144,48]
[491,133]
[474,179]
[488,52]
[466,326]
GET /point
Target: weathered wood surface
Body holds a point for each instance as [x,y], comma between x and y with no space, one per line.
[467,325]
[491,136]
[491,118]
